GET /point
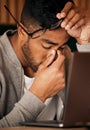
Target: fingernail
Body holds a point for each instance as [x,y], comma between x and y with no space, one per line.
[58,16]
[67,27]
[63,24]
[63,14]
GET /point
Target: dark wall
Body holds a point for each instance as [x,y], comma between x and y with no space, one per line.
[4,28]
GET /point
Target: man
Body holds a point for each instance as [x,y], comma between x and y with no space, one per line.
[35,49]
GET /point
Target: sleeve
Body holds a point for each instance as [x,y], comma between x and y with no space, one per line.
[26,109]
[83,47]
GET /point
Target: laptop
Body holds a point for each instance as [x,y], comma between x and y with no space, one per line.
[77,97]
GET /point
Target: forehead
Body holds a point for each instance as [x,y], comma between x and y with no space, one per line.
[59,36]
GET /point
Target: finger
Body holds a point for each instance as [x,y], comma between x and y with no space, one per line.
[68,18]
[65,10]
[78,24]
[59,60]
[73,21]
[60,15]
[62,64]
[49,60]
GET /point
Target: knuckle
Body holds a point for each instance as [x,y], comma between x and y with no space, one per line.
[61,75]
[70,23]
[83,20]
[72,12]
[56,70]
[77,15]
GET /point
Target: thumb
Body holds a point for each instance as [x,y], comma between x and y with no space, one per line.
[49,60]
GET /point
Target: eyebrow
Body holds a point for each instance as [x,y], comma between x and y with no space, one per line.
[49,42]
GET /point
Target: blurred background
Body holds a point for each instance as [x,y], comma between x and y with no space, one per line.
[15,6]
[6,21]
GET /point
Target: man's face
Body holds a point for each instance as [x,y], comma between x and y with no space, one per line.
[35,51]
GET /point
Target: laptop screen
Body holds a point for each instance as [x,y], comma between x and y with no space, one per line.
[77,105]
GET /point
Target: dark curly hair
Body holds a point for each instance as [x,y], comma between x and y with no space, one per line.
[42,12]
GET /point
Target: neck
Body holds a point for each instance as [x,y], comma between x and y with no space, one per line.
[28,72]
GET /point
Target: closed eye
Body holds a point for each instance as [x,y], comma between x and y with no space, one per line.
[46,47]
[48,44]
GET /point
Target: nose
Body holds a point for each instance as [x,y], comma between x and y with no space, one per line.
[58,48]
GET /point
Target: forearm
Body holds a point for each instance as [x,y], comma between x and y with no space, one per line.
[26,109]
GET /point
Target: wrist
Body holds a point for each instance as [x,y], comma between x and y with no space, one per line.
[83,41]
[85,35]
[37,94]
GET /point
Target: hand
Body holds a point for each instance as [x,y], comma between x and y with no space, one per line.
[50,77]
[85,33]
[76,22]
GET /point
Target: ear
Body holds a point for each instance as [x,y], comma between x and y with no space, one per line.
[22,34]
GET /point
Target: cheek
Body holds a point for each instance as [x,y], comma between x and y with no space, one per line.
[38,53]
[41,56]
